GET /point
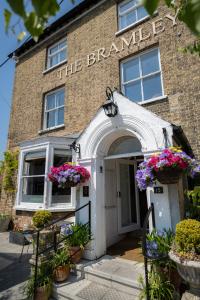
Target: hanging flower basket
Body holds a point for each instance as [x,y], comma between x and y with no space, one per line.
[169,176]
[68,175]
[166,167]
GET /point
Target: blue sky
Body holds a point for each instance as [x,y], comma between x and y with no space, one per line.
[7,44]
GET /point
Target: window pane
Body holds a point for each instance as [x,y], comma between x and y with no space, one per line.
[53,49]
[51,119]
[141,12]
[34,163]
[50,102]
[54,60]
[33,189]
[126,5]
[61,195]
[131,69]
[63,55]
[149,62]
[133,91]
[60,116]
[60,98]
[152,87]
[61,157]
[62,44]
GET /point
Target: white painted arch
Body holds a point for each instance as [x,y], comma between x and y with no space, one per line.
[133,120]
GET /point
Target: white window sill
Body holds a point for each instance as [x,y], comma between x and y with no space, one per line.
[54,67]
[131,26]
[51,129]
[51,209]
[153,100]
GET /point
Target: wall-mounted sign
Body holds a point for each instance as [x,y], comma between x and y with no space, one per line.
[158,190]
[136,37]
[85,191]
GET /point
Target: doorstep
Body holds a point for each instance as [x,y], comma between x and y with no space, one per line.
[106,278]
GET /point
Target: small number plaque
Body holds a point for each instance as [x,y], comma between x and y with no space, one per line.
[158,190]
[85,191]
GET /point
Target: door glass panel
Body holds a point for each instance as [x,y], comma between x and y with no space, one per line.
[132,194]
[124,189]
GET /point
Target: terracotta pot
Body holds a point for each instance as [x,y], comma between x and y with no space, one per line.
[43,293]
[61,273]
[76,254]
[169,176]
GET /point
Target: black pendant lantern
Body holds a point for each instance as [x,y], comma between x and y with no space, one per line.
[110,108]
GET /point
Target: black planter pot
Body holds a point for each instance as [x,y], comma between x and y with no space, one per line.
[18,238]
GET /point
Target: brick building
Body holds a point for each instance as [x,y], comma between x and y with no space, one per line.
[59,90]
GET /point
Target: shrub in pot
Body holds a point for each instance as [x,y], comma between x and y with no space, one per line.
[61,265]
[4,222]
[77,237]
[186,253]
[40,219]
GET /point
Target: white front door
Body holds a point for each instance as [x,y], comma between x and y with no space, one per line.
[127,196]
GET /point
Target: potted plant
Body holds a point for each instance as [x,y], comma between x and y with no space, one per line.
[166,167]
[4,222]
[61,265]
[68,175]
[77,236]
[186,253]
[158,289]
[40,219]
[158,246]
[43,284]
[193,204]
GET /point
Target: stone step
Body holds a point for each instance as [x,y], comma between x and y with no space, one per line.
[107,278]
[117,273]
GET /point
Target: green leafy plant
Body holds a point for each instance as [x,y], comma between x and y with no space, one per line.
[60,258]
[41,218]
[159,288]
[193,207]
[44,279]
[78,235]
[187,239]
[8,172]
[4,216]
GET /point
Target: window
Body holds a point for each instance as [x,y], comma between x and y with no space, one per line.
[33,177]
[35,190]
[130,12]
[57,54]
[54,109]
[141,76]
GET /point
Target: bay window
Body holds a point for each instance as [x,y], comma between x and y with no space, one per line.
[35,191]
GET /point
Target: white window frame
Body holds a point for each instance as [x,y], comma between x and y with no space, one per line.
[53,109]
[123,83]
[121,14]
[47,196]
[48,67]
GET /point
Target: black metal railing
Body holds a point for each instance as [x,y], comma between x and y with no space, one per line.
[145,231]
[56,242]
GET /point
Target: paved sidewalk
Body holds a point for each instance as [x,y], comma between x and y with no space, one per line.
[13,273]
